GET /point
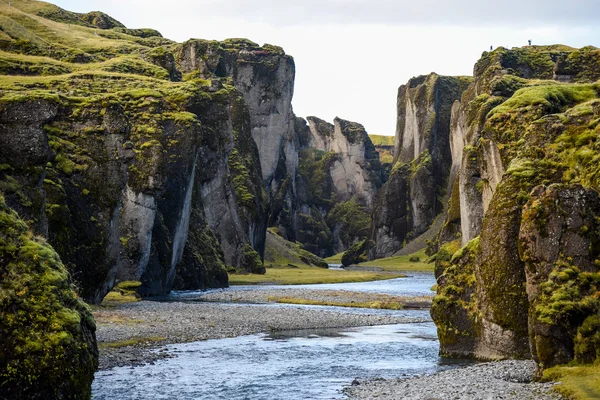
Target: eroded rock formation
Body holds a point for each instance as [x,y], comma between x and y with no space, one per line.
[526,245]
[413,196]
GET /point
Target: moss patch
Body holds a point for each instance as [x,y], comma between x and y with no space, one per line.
[47,341]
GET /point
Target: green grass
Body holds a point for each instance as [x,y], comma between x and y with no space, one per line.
[136,341]
[551,96]
[402,263]
[383,305]
[335,259]
[382,140]
[577,382]
[307,275]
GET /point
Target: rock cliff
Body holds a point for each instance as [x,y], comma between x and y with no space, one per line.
[339,176]
[47,333]
[524,140]
[137,157]
[414,194]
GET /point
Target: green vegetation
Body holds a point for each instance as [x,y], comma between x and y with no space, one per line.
[352,219]
[123,292]
[552,97]
[383,304]
[382,140]
[577,382]
[335,259]
[45,328]
[308,275]
[281,253]
[402,263]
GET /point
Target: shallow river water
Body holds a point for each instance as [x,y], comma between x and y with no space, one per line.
[287,365]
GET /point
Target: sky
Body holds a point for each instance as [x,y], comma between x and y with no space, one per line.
[352,55]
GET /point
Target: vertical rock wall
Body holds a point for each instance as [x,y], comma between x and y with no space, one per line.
[412,197]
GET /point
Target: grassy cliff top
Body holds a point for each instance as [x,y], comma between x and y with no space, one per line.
[47,51]
[382,140]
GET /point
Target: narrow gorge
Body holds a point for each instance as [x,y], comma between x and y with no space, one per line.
[131,164]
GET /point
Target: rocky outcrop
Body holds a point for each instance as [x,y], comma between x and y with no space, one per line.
[339,175]
[356,173]
[560,245]
[265,77]
[134,176]
[47,334]
[413,195]
[524,290]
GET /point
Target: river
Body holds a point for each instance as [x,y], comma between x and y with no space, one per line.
[313,364]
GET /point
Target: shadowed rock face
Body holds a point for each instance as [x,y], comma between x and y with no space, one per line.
[120,184]
[117,204]
[411,199]
[560,244]
[47,334]
[511,292]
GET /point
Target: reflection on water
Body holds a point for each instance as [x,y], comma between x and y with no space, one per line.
[311,364]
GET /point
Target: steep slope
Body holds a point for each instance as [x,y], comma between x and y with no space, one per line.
[134,155]
[522,286]
[339,176]
[47,334]
[413,196]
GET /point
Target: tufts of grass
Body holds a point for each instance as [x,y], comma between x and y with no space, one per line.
[135,341]
[308,275]
[402,263]
[383,305]
[578,382]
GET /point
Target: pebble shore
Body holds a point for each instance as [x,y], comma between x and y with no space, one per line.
[510,379]
[153,324]
[222,314]
[258,296]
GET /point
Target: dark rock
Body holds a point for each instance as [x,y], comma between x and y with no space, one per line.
[560,244]
[47,334]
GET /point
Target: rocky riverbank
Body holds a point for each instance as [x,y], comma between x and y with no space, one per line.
[128,334]
[496,380]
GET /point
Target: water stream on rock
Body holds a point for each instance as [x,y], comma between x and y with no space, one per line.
[307,364]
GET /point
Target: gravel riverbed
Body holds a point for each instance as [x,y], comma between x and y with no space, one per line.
[495,380]
[347,297]
[135,334]
[151,324]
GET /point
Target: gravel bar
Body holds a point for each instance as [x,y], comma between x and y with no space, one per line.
[258,296]
[152,324]
[495,380]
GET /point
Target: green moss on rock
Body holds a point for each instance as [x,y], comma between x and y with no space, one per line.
[251,261]
[47,340]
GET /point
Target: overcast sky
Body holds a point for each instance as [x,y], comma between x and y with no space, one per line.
[351,55]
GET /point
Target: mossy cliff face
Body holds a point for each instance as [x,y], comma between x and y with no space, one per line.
[129,159]
[422,159]
[265,77]
[498,75]
[519,133]
[339,175]
[47,333]
[560,245]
